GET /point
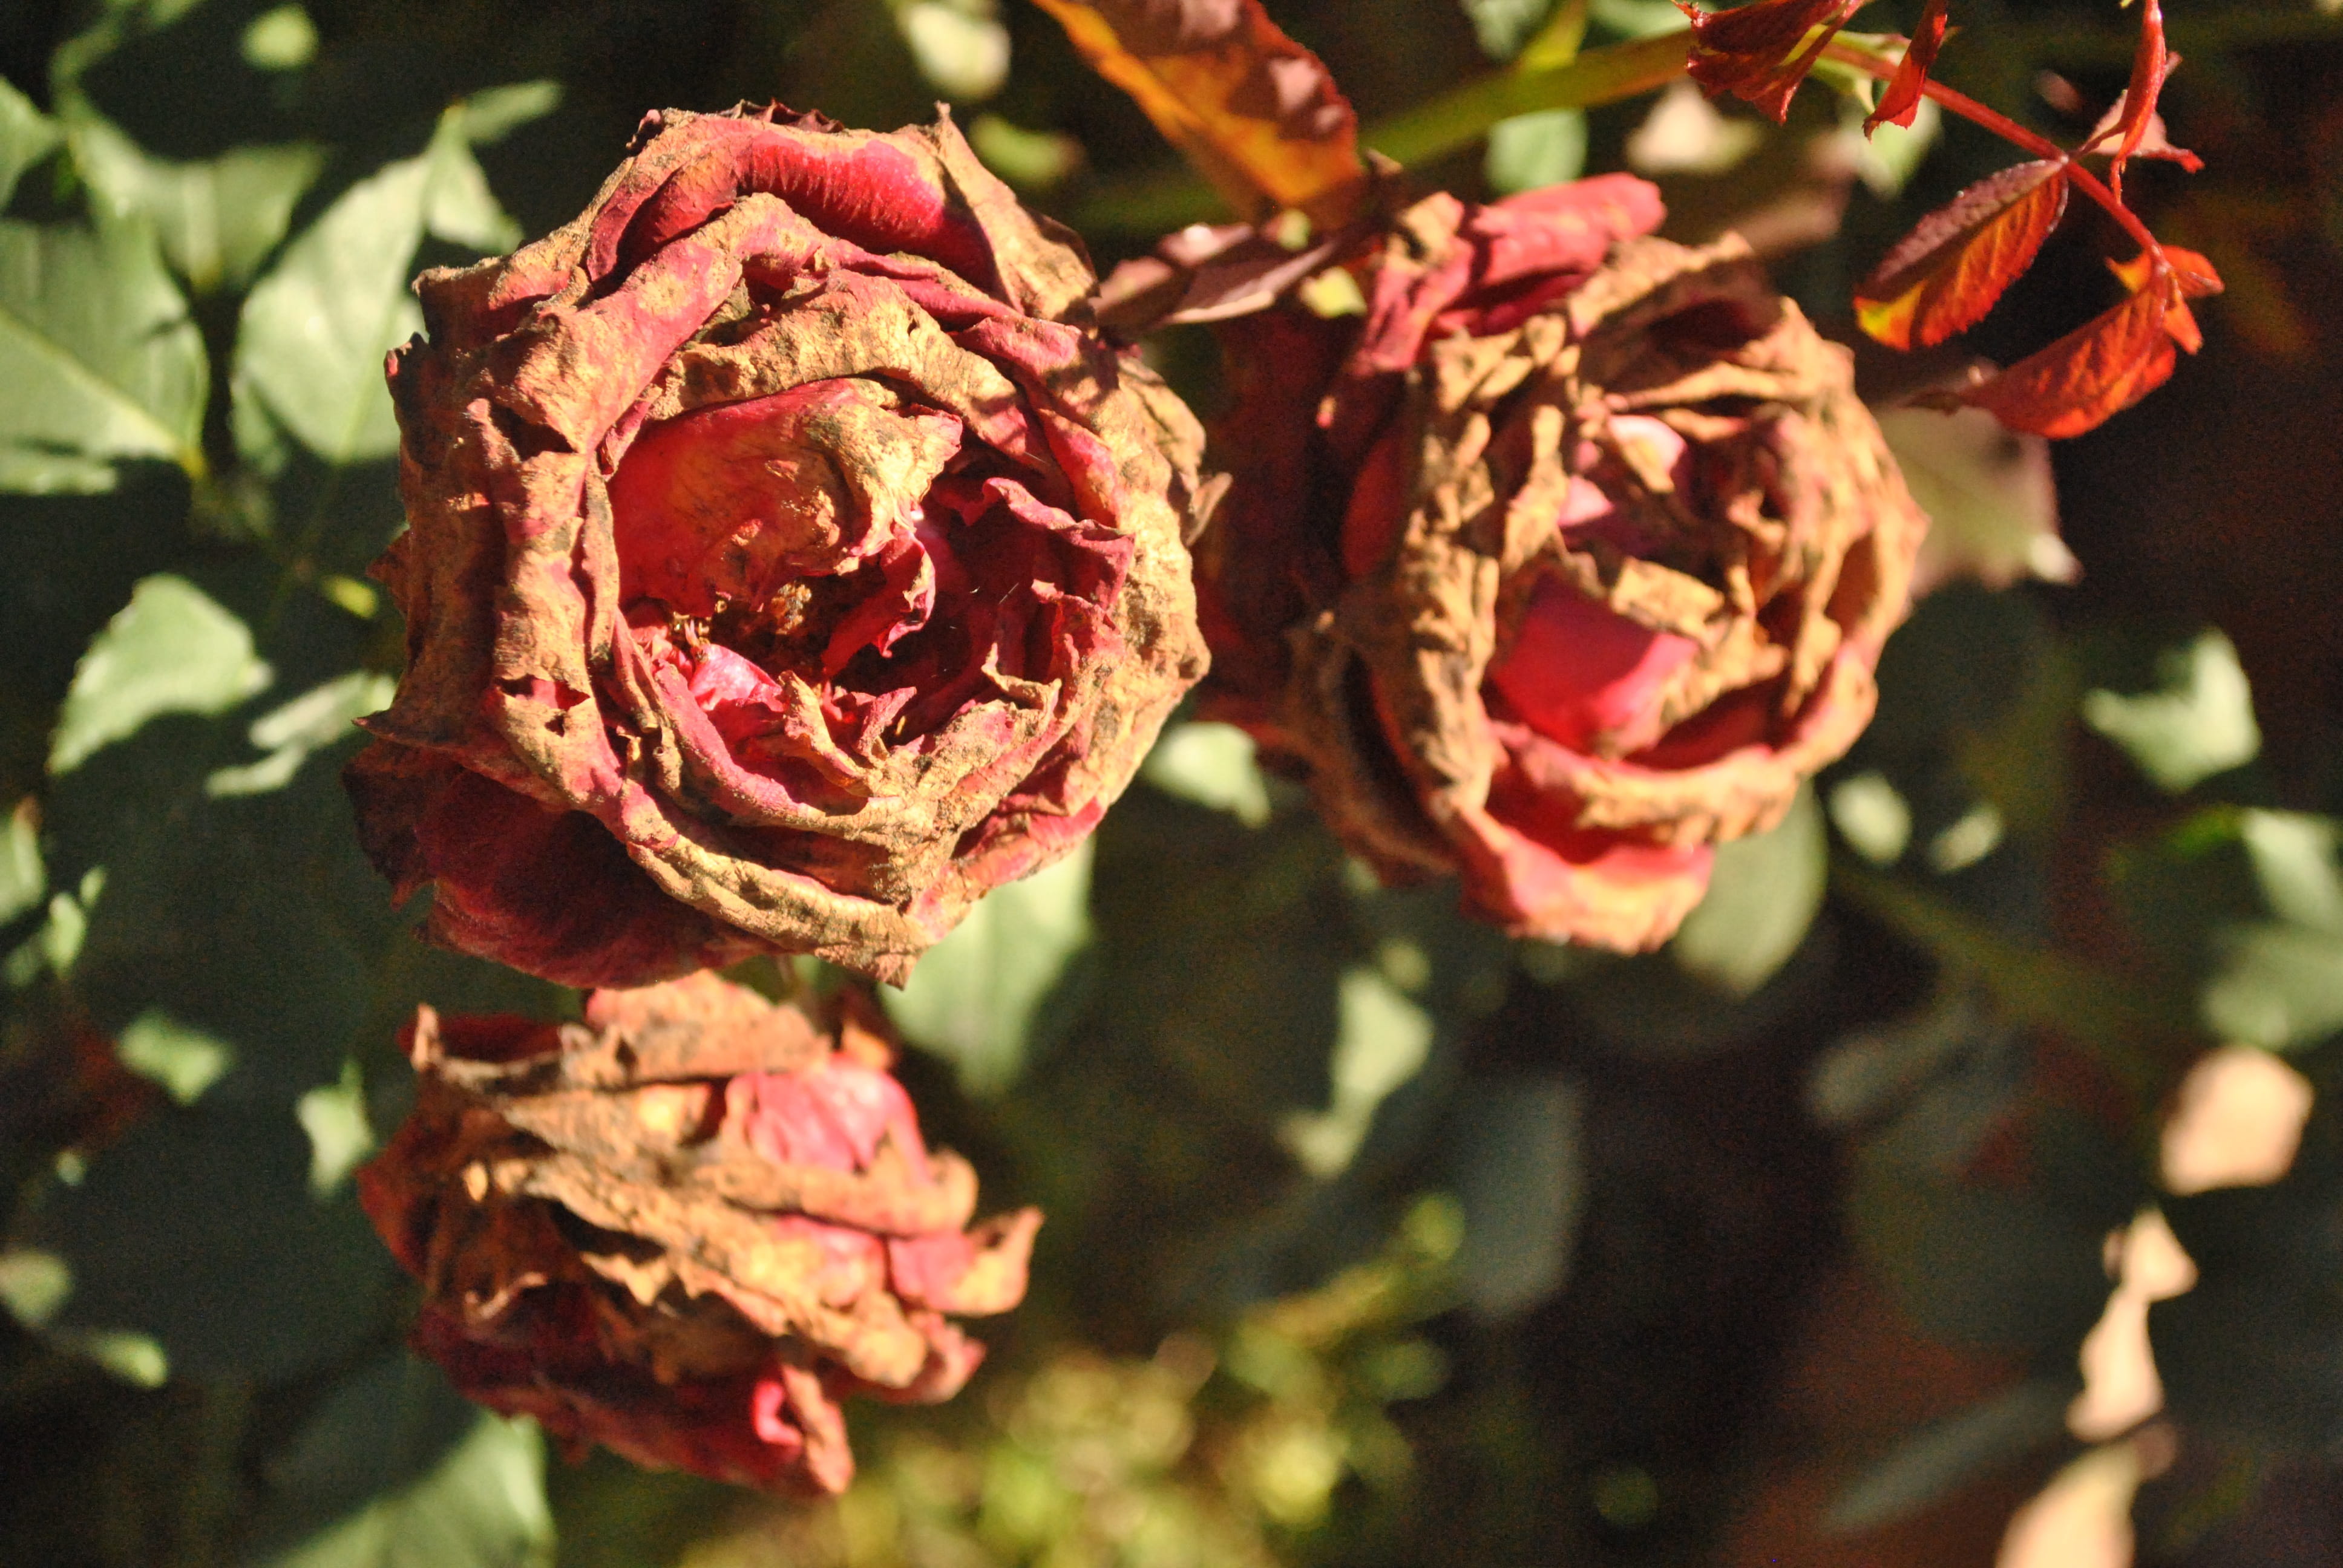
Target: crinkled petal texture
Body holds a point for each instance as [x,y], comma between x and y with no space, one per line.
[1569,561]
[789,563]
[685,1228]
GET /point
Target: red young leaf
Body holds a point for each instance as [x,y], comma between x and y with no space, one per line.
[2150,64]
[1950,269]
[1257,114]
[1762,51]
[2185,274]
[2153,143]
[1901,101]
[2193,274]
[2093,373]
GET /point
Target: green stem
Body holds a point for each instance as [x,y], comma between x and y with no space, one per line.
[1168,197]
[1463,116]
[2144,1035]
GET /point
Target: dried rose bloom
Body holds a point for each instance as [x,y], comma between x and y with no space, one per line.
[789,564]
[685,1229]
[1554,569]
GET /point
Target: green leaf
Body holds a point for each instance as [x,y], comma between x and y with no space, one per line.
[1763,895]
[34,1284]
[482,1505]
[280,39]
[1381,1039]
[99,363]
[198,1229]
[2199,723]
[1948,1454]
[324,716]
[24,879]
[219,218]
[1871,815]
[185,1060]
[1522,1183]
[172,649]
[134,1358]
[2013,1267]
[960,47]
[1502,26]
[975,997]
[1032,161]
[1211,765]
[309,352]
[2293,858]
[2275,986]
[26,137]
[1529,151]
[380,1431]
[334,1117]
[494,113]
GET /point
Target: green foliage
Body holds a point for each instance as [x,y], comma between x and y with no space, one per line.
[309,356]
[1541,149]
[198,1231]
[24,879]
[218,218]
[1522,1181]
[184,1062]
[172,649]
[1948,1454]
[2255,1351]
[1762,897]
[977,995]
[99,363]
[1212,766]
[2200,721]
[482,1506]
[1225,1063]
[26,137]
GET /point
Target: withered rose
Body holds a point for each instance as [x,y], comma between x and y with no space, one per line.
[1569,560]
[788,562]
[685,1229]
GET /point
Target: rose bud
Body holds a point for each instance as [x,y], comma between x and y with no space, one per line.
[685,1229]
[788,562]
[1570,559]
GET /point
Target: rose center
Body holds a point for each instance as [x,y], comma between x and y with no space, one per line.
[787,528]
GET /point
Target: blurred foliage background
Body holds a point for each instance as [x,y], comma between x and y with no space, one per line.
[1827,1235]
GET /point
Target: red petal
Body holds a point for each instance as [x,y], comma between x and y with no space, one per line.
[1577,669]
[1950,271]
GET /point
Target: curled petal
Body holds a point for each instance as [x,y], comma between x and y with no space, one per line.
[1552,577]
[789,562]
[684,1229]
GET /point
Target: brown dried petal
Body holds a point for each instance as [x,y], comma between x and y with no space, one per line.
[789,562]
[684,1228]
[1560,595]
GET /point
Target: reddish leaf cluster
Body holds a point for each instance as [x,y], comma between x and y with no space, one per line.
[1901,102]
[1761,52]
[1959,260]
[685,1229]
